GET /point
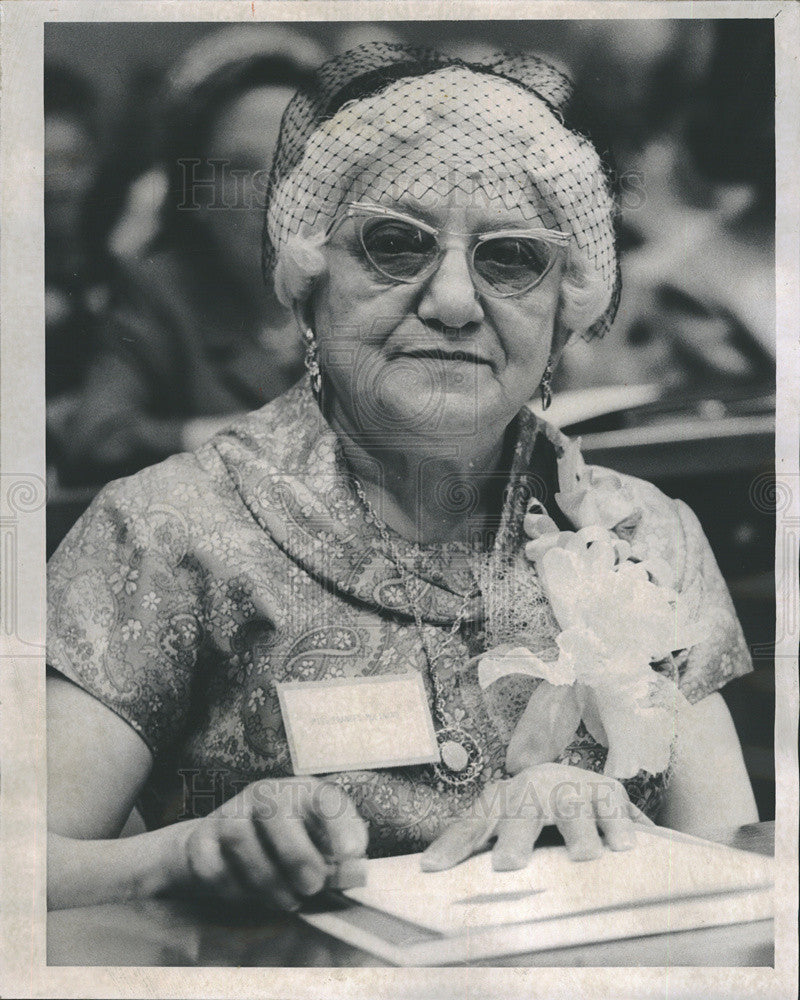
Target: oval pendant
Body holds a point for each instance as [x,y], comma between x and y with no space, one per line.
[460,757]
[454,756]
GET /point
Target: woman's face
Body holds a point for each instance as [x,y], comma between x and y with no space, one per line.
[433,358]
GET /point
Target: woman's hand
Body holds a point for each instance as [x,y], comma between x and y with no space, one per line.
[516,810]
[278,841]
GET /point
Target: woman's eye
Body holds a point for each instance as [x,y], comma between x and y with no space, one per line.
[527,254]
[394,238]
[512,264]
[398,250]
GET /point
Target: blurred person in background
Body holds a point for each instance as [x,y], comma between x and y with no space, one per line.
[636,77]
[75,278]
[193,336]
[697,211]
[351,35]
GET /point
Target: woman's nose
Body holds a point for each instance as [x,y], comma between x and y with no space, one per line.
[449,295]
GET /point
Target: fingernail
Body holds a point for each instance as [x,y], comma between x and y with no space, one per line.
[505,861]
[433,862]
[310,879]
[584,852]
[348,874]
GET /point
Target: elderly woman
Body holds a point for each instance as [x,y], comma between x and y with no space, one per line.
[549,636]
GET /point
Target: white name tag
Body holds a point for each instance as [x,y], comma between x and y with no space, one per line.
[358,723]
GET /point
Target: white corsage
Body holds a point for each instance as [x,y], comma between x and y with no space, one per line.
[619,613]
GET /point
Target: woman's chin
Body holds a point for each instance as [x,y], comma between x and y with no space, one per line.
[454,409]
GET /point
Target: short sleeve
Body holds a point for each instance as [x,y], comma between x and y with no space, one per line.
[124,608]
[723,654]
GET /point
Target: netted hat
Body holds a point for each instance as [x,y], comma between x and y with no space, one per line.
[385,118]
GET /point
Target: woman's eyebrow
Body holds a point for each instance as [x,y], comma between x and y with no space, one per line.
[492,225]
[408,204]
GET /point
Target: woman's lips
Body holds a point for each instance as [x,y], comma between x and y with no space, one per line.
[452,357]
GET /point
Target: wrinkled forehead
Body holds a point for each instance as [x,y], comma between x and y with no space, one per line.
[451,134]
[445,183]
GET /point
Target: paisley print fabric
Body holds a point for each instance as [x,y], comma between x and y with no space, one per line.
[188,590]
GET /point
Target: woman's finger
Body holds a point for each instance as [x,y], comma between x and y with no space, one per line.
[333,822]
[285,838]
[580,835]
[459,841]
[614,818]
[515,840]
[209,869]
[346,874]
[618,832]
[254,868]
[306,827]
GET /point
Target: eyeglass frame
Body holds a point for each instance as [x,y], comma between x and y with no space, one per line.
[369,209]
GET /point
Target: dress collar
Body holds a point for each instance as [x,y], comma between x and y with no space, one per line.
[284,462]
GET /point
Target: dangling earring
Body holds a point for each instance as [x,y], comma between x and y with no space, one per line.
[312,361]
[544,385]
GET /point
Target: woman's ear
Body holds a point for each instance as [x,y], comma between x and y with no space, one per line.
[561,336]
[303,315]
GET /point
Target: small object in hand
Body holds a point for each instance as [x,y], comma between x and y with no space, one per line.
[454,756]
[346,874]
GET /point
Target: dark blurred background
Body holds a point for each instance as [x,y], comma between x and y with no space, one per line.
[159,329]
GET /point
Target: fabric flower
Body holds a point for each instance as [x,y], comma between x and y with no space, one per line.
[617,617]
[504,660]
[600,501]
[124,578]
[256,699]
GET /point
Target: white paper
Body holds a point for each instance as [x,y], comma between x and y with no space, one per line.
[353,723]
[473,896]
[653,923]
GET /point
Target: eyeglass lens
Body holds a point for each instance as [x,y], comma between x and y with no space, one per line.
[399,249]
[405,252]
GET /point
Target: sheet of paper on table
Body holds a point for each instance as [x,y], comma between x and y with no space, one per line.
[411,917]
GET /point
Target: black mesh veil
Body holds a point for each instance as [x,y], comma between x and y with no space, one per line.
[374,114]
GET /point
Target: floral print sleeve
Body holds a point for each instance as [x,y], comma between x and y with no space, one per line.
[124,609]
[723,654]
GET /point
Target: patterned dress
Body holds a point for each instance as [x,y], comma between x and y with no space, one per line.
[188,590]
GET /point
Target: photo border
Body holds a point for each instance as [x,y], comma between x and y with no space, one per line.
[22,522]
